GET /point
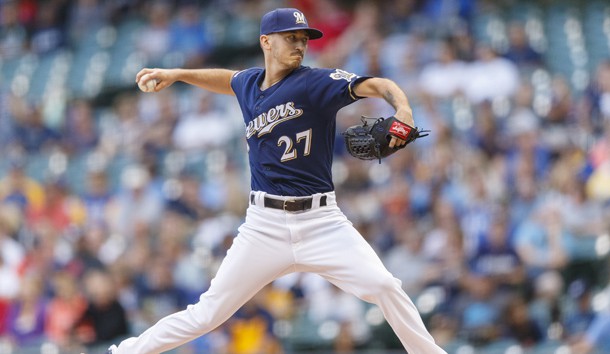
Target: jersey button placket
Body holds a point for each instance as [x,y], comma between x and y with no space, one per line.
[258,103]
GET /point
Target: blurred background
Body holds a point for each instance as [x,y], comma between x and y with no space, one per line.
[117,206]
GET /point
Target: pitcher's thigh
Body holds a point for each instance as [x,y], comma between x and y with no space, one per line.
[349,262]
[244,271]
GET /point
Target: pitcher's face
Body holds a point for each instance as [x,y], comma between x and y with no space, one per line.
[288,48]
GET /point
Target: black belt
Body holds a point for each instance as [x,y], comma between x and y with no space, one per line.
[291,205]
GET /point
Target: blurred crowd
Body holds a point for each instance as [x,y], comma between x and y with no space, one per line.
[117,212]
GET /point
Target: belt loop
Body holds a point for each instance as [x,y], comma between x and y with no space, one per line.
[260,198]
[319,200]
[252,197]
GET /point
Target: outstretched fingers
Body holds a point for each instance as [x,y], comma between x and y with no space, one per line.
[142,73]
[396,142]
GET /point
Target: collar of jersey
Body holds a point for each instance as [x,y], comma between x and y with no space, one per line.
[262,77]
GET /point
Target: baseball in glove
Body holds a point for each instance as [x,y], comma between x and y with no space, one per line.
[372,141]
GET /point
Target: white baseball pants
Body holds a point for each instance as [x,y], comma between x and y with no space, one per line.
[272,243]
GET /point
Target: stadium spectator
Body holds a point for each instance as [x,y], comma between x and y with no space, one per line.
[525,149]
[19,189]
[153,40]
[251,329]
[443,15]
[362,43]
[9,282]
[6,120]
[61,209]
[238,24]
[478,310]
[596,336]
[579,313]
[11,249]
[203,127]
[9,286]
[520,326]
[83,18]
[11,256]
[98,196]
[599,153]
[104,319]
[156,291]
[190,37]
[65,307]
[477,210]
[464,41]
[444,249]
[13,33]
[49,34]
[27,312]
[593,107]
[561,111]
[401,16]
[80,130]
[545,297]
[88,248]
[187,202]
[558,122]
[519,50]
[523,189]
[159,115]
[421,191]
[121,132]
[584,218]
[406,262]
[541,241]
[596,184]
[32,133]
[443,77]
[486,133]
[496,256]
[490,76]
[137,207]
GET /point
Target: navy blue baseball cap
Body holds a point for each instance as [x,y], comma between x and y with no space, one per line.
[287,19]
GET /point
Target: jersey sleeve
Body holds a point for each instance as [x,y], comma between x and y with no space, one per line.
[333,87]
[237,80]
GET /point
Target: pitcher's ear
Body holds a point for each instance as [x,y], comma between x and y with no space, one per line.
[264,41]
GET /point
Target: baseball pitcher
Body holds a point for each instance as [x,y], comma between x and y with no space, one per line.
[293,223]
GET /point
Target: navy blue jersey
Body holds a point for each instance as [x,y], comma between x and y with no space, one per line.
[290,127]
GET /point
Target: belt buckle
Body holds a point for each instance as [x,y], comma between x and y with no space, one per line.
[290,205]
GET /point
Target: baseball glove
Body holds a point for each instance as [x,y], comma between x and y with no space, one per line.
[372,141]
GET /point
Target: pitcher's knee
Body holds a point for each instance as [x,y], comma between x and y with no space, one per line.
[203,317]
[381,286]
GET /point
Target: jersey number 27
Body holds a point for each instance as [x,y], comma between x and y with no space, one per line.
[290,153]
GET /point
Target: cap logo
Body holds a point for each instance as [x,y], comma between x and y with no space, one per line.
[300,18]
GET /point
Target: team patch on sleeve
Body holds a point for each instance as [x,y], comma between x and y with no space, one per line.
[339,74]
